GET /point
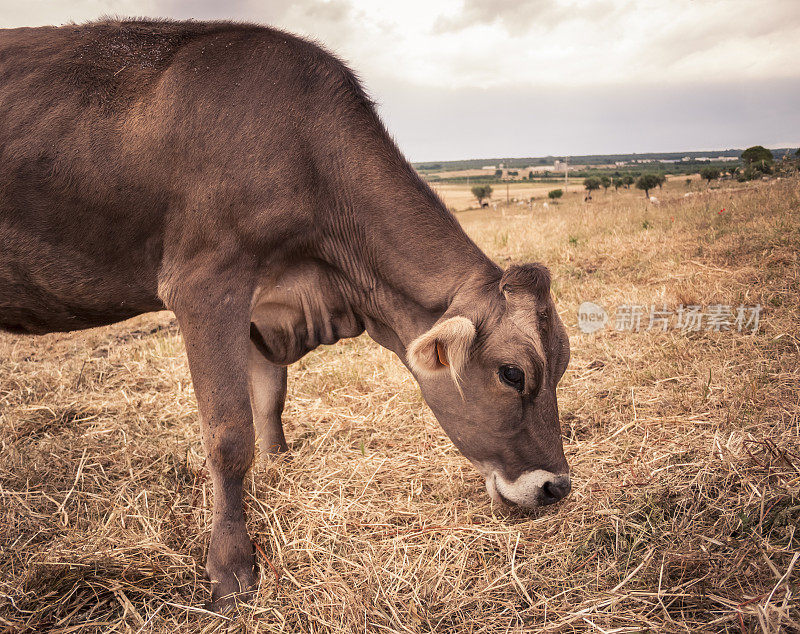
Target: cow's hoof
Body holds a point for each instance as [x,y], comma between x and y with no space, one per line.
[230,590]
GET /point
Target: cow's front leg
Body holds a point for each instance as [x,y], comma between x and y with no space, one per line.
[267,396]
[214,320]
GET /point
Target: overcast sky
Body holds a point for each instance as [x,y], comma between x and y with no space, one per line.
[502,78]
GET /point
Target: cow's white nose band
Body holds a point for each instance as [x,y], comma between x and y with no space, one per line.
[527,489]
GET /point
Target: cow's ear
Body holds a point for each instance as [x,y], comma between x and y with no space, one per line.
[445,347]
[526,279]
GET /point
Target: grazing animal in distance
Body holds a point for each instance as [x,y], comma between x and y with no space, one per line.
[241,177]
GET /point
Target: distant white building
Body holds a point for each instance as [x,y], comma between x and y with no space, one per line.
[706,159]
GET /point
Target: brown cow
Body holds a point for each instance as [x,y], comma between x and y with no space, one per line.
[240,177]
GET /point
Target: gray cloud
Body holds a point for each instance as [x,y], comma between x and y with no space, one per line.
[271,12]
[207,9]
[514,14]
[520,16]
[328,11]
[611,41]
[739,23]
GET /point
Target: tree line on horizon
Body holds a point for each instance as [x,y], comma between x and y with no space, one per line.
[757,161]
[520,163]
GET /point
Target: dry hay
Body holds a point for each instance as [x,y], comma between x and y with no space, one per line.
[685,450]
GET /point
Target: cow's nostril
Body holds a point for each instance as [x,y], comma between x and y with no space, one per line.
[556,489]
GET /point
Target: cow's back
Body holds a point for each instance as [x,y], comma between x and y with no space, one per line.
[97,145]
[79,228]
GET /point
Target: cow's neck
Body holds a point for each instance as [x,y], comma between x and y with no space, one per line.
[407,258]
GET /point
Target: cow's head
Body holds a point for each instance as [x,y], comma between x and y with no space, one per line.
[488,369]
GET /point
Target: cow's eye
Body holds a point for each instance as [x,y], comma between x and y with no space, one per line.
[512,376]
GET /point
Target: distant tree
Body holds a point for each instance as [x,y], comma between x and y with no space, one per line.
[757,154]
[797,152]
[688,181]
[709,174]
[530,175]
[627,180]
[617,182]
[661,180]
[733,171]
[605,181]
[646,182]
[592,183]
[762,167]
[481,192]
[498,173]
[555,194]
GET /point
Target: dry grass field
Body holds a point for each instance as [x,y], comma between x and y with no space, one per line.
[458,196]
[684,448]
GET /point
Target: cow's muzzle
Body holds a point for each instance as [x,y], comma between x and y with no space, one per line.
[530,490]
